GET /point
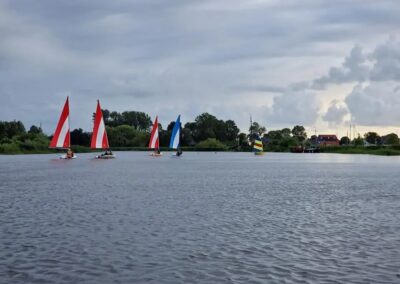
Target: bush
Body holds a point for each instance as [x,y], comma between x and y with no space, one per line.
[210,144]
[10,149]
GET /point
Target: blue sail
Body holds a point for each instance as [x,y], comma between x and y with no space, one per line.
[174,143]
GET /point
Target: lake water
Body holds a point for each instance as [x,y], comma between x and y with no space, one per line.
[201,218]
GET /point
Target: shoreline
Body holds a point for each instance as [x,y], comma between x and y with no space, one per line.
[375,150]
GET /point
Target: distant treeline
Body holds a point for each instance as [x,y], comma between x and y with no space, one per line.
[131,129]
[14,138]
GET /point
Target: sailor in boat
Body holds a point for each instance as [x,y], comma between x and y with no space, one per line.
[107,153]
[179,152]
[70,153]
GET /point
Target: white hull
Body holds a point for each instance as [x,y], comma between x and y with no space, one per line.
[105,157]
[64,157]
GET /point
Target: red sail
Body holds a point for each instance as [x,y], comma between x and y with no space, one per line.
[99,136]
[154,141]
[62,137]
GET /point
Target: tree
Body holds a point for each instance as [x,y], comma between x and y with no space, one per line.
[313,140]
[243,142]
[300,133]
[205,127]
[139,120]
[9,129]
[256,128]
[344,140]
[188,134]
[115,119]
[79,137]
[372,137]
[211,143]
[274,135]
[35,130]
[232,131]
[391,139]
[286,133]
[359,141]
[121,136]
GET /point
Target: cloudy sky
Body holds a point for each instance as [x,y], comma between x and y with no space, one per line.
[316,63]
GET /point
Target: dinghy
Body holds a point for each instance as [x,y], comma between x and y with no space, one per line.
[99,136]
[175,137]
[258,148]
[62,137]
[154,140]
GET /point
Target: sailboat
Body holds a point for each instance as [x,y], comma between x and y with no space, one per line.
[154,140]
[258,148]
[99,136]
[175,137]
[62,137]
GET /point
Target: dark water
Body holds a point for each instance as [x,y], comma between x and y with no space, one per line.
[204,218]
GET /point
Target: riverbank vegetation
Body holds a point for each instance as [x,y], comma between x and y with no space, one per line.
[130,130]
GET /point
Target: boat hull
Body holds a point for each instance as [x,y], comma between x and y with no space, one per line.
[64,157]
[156,154]
[105,157]
[259,153]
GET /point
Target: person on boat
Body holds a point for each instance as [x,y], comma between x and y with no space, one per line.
[70,154]
[157,151]
[179,152]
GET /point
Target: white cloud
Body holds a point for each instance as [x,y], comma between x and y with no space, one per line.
[376,104]
[336,113]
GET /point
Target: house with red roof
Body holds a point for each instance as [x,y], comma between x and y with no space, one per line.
[328,140]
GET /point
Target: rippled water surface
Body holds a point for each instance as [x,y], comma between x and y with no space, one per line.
[202,218]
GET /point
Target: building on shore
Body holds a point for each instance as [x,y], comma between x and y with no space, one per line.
[328,140]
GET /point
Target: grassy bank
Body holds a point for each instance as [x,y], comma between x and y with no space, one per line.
[372,150]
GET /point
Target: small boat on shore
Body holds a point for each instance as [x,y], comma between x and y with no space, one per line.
[312,150]
[175,137]
[99,136]
[154,142]
[62,136]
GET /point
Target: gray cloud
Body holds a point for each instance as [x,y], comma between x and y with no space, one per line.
[387,61]
[295,108]
[380,65]
[352,69]
[183,56]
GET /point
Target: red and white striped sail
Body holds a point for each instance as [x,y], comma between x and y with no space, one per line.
[62,137]
[154,141]
[99,136]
